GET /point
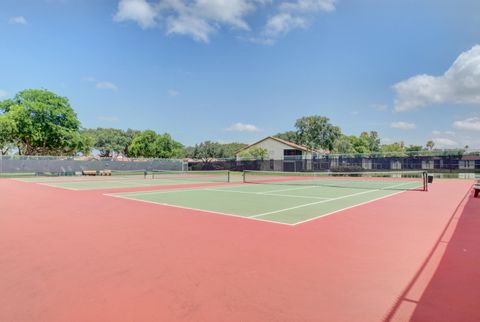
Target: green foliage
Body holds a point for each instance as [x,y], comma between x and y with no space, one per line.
[414,148]
[343,145]
[255,153]
[363,144]
[149,144]
[230,149]
[43,123]
[208,150]
[7,130]
[290,136]
[373,140]
[394,149]
[316,132]
[111,142]
[430,144]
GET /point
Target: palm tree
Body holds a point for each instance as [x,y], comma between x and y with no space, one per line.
[430,144]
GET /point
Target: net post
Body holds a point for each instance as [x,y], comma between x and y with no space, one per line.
[243,176]
[425,181]
[228,175]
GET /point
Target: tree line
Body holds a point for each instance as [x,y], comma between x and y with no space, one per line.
[40,122]
[316,132]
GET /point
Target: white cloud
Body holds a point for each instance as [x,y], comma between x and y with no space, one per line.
[139,11]
[173,92]
[403,125]
[283,23]
[19,20]
[471,124]
[199,29]
[3,93]
[108,118]
[106,86]
[444,142]
[460,84]
[308,5]
[200,19]
[241,127]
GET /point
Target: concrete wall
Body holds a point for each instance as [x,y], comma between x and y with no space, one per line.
[275,149]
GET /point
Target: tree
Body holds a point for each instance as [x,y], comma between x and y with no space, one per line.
[430,144]
[149,144]
[256,153]
[394,149]
[290,136]
[413,148]
[373,140]
[44,123]
[7,129]
[360,144]
[230,149]
[343,145]
[208,150]
[112,142]
[316,132]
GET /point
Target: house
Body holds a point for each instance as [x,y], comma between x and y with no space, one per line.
[282,155]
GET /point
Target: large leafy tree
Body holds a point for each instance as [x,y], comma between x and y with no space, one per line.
[44,124]
[7,130]
[343,145]
[208,150]
[255,153]
[111,142]
[290,136]
[149,144]
[230,149]
[372,139]
[316,132]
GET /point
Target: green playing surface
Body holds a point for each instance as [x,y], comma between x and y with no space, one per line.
[130,181]
[285,204]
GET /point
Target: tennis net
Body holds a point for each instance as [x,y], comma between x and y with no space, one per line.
[194,176]
[402,180]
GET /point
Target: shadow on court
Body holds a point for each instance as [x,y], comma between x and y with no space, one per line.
[447,287]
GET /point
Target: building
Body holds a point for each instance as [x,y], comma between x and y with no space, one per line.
[283,155]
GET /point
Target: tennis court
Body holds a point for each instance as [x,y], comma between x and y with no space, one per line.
[286,198]
[237,251]
[131,179]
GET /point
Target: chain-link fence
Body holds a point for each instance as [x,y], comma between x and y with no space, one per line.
[348,163]
[11,165]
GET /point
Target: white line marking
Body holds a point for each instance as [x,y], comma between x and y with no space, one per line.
[349,207]
[200,210]
[58,187]
[290,189]
[263,194]
[293,196]
[141,193]
[323,201]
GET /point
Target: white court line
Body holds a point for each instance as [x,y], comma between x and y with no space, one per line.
[52,186]
[349,207]
[323,201]
[263,193]
[293,196]
[290,189]
[200,210]
[141,193]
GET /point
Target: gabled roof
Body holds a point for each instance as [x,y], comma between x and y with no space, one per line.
[290,144]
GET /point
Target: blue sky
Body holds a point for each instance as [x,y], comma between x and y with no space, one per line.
[239,70]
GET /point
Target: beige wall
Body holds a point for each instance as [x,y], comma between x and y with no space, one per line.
[275,149]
